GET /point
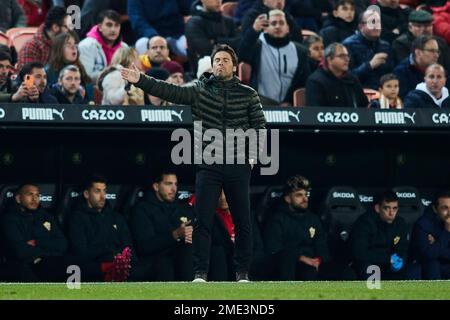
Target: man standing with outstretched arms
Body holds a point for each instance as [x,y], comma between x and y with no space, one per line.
[221,103]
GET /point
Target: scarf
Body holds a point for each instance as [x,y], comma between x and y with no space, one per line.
[384,103]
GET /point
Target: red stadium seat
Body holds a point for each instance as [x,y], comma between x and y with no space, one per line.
[11,32]
[228,9]
[244,72]
[306,33]
[371,94]
[299,97]
[20,37]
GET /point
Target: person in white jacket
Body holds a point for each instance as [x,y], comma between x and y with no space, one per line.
[98,48]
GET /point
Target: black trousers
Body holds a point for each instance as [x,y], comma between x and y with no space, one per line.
[235,180]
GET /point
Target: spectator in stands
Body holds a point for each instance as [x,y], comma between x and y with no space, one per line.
[11,15]
[35,11]
[162,230]
[68,90]
[295,236]
[36,248]
[35,90]
[37,49]
[316,51]
[262,7]
[207,27]
[380,238]
[411,71]
[157,53]
[341,24]
[332,85]
[309,13]
[279,65]
[441,14]
[242,8]
[158,74]
[389,90]
[176,72]
[420,23]
[432,93]
[5,76]
[150,18]
[394,19]
[430,240]
[98,48]
[370,56]
[97,233]
[64,52]
[115,90]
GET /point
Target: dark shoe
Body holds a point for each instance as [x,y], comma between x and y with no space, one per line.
[200,277]
[242,277]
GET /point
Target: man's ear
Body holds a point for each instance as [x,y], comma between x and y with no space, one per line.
[377,208]
[155,187]
[287,199]
[17,197]
[86,194]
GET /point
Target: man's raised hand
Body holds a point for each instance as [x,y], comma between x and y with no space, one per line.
[131,75]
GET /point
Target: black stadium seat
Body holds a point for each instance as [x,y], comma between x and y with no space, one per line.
[340,209]
[48,196]
[269,203]
[410,204]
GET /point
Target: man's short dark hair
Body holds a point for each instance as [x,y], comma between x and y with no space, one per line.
[158,175]
[23,185]
[385,196]
[226,48]
[110,14]
[387,77]
[313,39]
[5,56]
[55,15]
[330,50]
[339,3]
[28,69]
[440,195]
[420,43]
[93,178]
[296,183]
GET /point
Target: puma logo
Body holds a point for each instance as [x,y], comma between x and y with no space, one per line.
[295,115]
[60,114]
[178,115]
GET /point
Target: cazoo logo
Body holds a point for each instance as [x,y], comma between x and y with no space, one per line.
[337,117]
[103,115]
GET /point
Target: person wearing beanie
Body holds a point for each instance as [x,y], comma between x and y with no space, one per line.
[159,74]
[176,72]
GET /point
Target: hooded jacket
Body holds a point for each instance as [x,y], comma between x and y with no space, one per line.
[95,55]
[58,92]
[20,226]
[421,97]
[336,30]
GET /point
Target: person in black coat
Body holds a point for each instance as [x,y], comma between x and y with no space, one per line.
[341,24]
[380,238]
[162,230]
[35,247]
[332,85]
[294,235]
[432,93]
[394,19]
[430,240]
[68,90]
[208,27]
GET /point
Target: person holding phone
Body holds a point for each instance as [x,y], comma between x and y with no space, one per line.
[33,87]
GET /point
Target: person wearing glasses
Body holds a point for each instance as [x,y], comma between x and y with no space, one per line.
[332,85]
[279,65]
[38,48]
[411,71]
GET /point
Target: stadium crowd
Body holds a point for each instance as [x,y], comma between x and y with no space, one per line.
[339,53]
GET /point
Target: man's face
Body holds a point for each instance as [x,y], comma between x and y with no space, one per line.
[109,29]
[429,54]
[394,4]
[223,67]
[387,210]
[66,26]
[435,80]
[278,27]
[298,199]
[420,29]
[340,61]
[443,209]
[158,51]
[346,12]
[223,204]
[390,89]
[71,82]
[28,198]
[40,78]
[5,68]
[275,4]
[212,5]
[370,25]
[176,78]
[96,196]
[166,190]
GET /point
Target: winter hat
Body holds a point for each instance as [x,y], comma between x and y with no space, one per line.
[172,67]
[158,73]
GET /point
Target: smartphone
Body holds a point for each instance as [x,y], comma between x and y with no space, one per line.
[29,80]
